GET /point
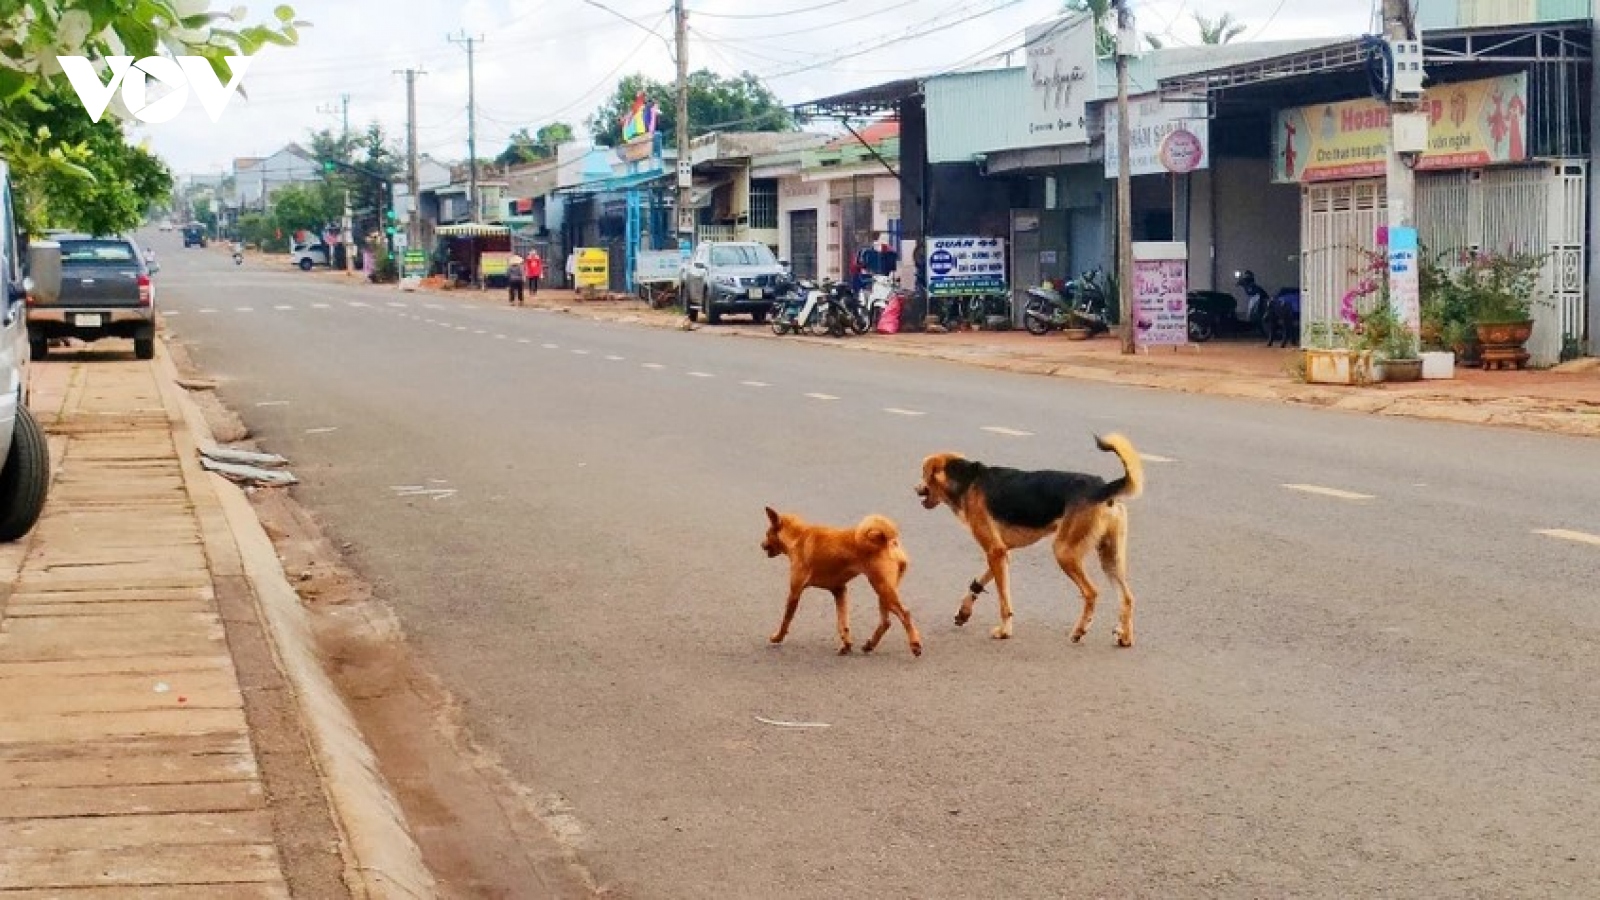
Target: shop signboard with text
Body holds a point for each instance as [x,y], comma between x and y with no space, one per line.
[966,265]
[1164,136]
[1160,294]
[594,267]
[1470,124]
[1061,81]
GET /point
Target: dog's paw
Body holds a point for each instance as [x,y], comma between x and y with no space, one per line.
[1077,636]
[916,649]
[961,619]
[868,647]
[1124,639]
[1001,632]
[775,639]
[845,650]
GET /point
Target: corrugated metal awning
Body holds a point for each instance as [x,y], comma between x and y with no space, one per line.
[471,229]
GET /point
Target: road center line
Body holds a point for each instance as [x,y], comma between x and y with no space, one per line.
[320,430]
[175,312]
[273,403]
[1151,457]
[653,365]
[897,411]
[580,353]
[701,375]
[551,346]
[319,306]
[207,310]
[1580,537]
[524,341]
[283,307]
[822,396]
[755,384]
[499,337]
[1328,492]
[614,358]
[1008,432]
[243,309]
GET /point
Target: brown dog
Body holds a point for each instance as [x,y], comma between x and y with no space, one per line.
[830,558]
[1008,509]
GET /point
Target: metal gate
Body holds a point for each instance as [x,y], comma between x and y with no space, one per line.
[803,243]
[1536,209]
[1338,219]
[855,229]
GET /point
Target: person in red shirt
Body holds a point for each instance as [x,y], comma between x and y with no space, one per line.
[535,269]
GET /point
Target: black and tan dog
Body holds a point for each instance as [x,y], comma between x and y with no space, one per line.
[1008,509]
[830,558]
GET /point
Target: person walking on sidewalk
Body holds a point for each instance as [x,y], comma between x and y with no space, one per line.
[572,269]
[535,270]
[514,279]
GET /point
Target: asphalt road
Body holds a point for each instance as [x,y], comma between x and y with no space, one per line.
[1361,669]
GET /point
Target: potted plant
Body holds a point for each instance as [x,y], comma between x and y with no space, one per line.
[1500,290]
[1334,354]
[1401,360]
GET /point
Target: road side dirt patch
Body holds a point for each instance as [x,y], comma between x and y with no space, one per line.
[480,832]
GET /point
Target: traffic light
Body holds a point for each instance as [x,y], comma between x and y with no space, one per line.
[328,166]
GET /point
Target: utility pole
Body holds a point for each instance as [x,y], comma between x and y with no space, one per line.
[348,236]
[472,123]
[413,237]
[1402,181]
[1124,200]
[343,109]
[1407,139]
[685,168]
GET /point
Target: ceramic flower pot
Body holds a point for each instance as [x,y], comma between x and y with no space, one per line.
[1402,370]
[1502,343]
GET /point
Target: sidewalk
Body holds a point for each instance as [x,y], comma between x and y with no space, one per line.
[135,661]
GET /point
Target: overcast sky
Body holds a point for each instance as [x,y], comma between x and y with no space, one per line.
[548,60]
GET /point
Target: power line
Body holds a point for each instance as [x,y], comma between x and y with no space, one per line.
[775,15]
[631,21]
[910,35]
[814,28]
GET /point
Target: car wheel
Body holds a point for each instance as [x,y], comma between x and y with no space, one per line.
[305,263]
[712,316]
[38,347]
[144,348]
[760,317]
[25,479]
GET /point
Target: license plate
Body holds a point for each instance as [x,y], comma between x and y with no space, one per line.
[86,321]
[756,293]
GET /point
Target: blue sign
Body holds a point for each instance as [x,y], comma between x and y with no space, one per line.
[966,265]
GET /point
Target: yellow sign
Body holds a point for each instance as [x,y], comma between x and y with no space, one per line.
[492,264]
[1470,125]
[594,267]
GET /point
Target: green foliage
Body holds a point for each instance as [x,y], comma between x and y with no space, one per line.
[309,207]
[740,103]
[368,151]
[262,231]
[41,134]
[525,148]
[91,179]
[1476,288]
[1105,36]
[1221,30]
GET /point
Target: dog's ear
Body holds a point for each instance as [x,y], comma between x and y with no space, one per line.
[772,516]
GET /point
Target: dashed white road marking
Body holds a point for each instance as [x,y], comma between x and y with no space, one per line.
[357,303]
[822,396]
[551,346]
[319,306]
[653,365]
[1008,432]
[701,375]
[499,337]
[273,403]
[461,328]
[524,341]
[755,384]
[207,310]
[243,309]
[1564,534]
[479,331]
[176,312]
[431,306]
[324,430]
[1151,457]
[580,353]
[895,410]
[1328,492]
[283,306]
[614,358]
[397,304]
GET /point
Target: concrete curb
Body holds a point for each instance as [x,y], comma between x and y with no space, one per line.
[382,858]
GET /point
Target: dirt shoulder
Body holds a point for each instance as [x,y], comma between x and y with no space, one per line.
[480,833]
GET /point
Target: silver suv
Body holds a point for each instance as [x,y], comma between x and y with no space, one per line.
[24,456]
[739,277]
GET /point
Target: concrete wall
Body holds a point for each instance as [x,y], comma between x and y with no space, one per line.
[1249,222]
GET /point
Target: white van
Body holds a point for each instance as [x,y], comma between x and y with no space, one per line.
[24,456]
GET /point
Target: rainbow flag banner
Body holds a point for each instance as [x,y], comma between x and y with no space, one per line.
[641,120]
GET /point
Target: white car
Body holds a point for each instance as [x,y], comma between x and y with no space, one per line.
[307,255]
[24,456]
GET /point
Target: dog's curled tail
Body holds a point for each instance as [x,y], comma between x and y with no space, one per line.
[878,530]
[1131,484]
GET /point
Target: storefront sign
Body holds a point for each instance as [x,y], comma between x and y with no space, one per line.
[1061,80]
[1470,124]
[1160,294]
[594,267]
[657,266]
[413,268]
[1164,136]
[493,264]
[966,265]
[1405,290]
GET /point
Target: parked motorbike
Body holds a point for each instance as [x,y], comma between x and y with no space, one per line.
[834,316]
[1047,310]
[797,297]
[1081,305]
[873,300]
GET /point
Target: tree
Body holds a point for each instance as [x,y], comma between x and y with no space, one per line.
[1221,30]
[1105,39]
[35,111]
[99,184]
[715,103]
[297,207]
[370,152]
[525,148]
